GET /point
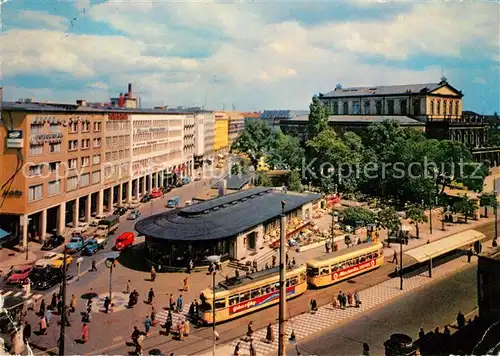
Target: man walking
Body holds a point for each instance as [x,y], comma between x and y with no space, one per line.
[395,257]
[179,304]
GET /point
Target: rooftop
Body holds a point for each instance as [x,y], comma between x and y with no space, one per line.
[283,114]
[222,217]
[235,181]
[368,119]
[387,90]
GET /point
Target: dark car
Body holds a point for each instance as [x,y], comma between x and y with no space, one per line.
[120,211]
[52,241]
[146,198]
[45,278]
[168,188]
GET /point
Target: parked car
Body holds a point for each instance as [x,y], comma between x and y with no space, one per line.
[125,240]
[81,228]
[167,188]
[54,260]
[134,214]
[46,278]
[120,211]
[156,193]
[173,202]
[52,241]
[186,180]
[19,275]
[146,198]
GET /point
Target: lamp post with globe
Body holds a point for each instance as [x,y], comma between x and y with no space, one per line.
[214,260]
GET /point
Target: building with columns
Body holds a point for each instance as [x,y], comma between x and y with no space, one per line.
[64,163]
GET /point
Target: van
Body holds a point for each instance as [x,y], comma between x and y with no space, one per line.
[173,202]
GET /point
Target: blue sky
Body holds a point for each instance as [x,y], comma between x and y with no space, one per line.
[255,55]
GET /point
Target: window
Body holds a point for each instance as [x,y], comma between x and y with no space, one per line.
[96,177]
[96,159]
[367,108]
[73,127]
[234,299]
[255,293]
[416,107]
[432,107]
[84,180]
[355,108]
[345,109]
[85,143]
[71,183]
[36,150]
[54,187]
[85,161]
[220,303]
[450,110]
[36,129]
[244,297]
[378,107]
[55,128]
[55,147]
[444,107]
[456,108]
[404,109]
[325,270]
[73,145]
[390,107]
[85,126]
[97,142]
[35,170]
[54,166]
[72,163]
[335,108]
[97,126]
[35,192]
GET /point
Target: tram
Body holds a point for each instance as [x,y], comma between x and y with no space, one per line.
[341,265]
[239,296]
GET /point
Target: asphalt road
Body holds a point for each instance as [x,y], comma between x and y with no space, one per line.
[434,305]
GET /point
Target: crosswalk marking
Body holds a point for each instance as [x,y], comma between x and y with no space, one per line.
[20,294]
[17,294]
[9,292]
[176,317]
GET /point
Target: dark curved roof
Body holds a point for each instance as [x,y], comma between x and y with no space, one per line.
[222,217]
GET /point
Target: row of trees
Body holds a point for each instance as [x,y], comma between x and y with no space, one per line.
[398,164]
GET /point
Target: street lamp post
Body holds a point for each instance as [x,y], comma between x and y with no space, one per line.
[282,290]
[335,218]
[213,259]
[110,262]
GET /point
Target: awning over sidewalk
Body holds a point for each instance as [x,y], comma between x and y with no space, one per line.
[445,245]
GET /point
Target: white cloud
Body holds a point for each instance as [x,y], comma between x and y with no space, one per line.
[479,80]
[98,86]
[43,20]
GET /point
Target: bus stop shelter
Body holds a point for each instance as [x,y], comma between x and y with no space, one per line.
[438,248]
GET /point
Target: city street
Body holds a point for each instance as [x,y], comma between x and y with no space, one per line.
[434,305]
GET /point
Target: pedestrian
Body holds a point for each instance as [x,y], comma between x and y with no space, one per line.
[395,257]
[460,320]
[72,304]
[153,316]
[313,305]
[191,310]
[349,299]
[357,299]
[68,313]
[249,330]
[93,268]
[180,330]
[43,325]
[339,298]
[48,316]
[327,247]
[171,302]
[293,262]
[334,302]
[187,328]
[269,334]
[147,325]
[236,351]
[469,255]
[274,260]
[107,302]
[254,264]
[151,296]
[53,303]
[135,338]
[179,304]
[366,349]
[344,300]
[85,333]
[41,311]
[153,274]
[186,285]
[421,334]
[286,258]
[446,331]
[127,290]
[190,266]
[26,332]
[252,350]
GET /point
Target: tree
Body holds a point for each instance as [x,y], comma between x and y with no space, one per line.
[286,152]
[263,180]
[318,117]
[294,182]
[466,206]
[256,140]
[351,215]
[389,220]
[417,216]
[486,200]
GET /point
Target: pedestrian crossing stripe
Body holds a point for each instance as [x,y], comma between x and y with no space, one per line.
[176,317]
[20,295]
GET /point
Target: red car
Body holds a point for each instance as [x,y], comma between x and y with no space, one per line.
[125,240]
[19,275]
[156,193]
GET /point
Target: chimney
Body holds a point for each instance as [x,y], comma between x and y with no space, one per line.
[129,90]
[222,188]
[121,101]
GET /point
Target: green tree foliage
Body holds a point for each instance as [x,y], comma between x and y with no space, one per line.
[286,153]
[486,200]
[256,140]
[417,216]
[351,215]
[465,206]
[318,117]
[263,180]
[294,182]
[389,219]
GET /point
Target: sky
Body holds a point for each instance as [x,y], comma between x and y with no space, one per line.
[250,55]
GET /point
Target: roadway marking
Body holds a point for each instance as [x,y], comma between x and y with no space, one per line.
[17,294]
[7,293]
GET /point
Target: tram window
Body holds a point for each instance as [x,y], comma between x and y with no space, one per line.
[220,303]
[276,286]
[375,254]
[325,270]
[255,293]
[302,277]
[362,259]
[294,281]
[287,284]
[266,290]
[313,272]
[244,296]
[234,299]
[369,256]
[334,268]
[381,252]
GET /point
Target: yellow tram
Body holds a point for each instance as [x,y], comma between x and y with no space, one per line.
[335,267]
[246,294]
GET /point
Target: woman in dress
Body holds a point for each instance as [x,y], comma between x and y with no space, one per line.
[85,333]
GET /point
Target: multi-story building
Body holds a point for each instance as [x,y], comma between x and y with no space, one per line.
[204,138]
[209,128]
[251,116]
[236,126]
[221,139]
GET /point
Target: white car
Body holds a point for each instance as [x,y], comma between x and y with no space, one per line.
[81,228]
[47,259]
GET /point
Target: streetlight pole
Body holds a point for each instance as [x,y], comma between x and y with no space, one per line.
[63,309]
[282,303]
[430,215]
[213,259]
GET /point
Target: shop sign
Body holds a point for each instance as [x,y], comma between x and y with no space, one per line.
[354,269]
[53,137]
[259,301]
[14,139]
[117,116]
[12,193]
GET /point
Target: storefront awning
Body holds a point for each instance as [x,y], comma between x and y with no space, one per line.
[445,245]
